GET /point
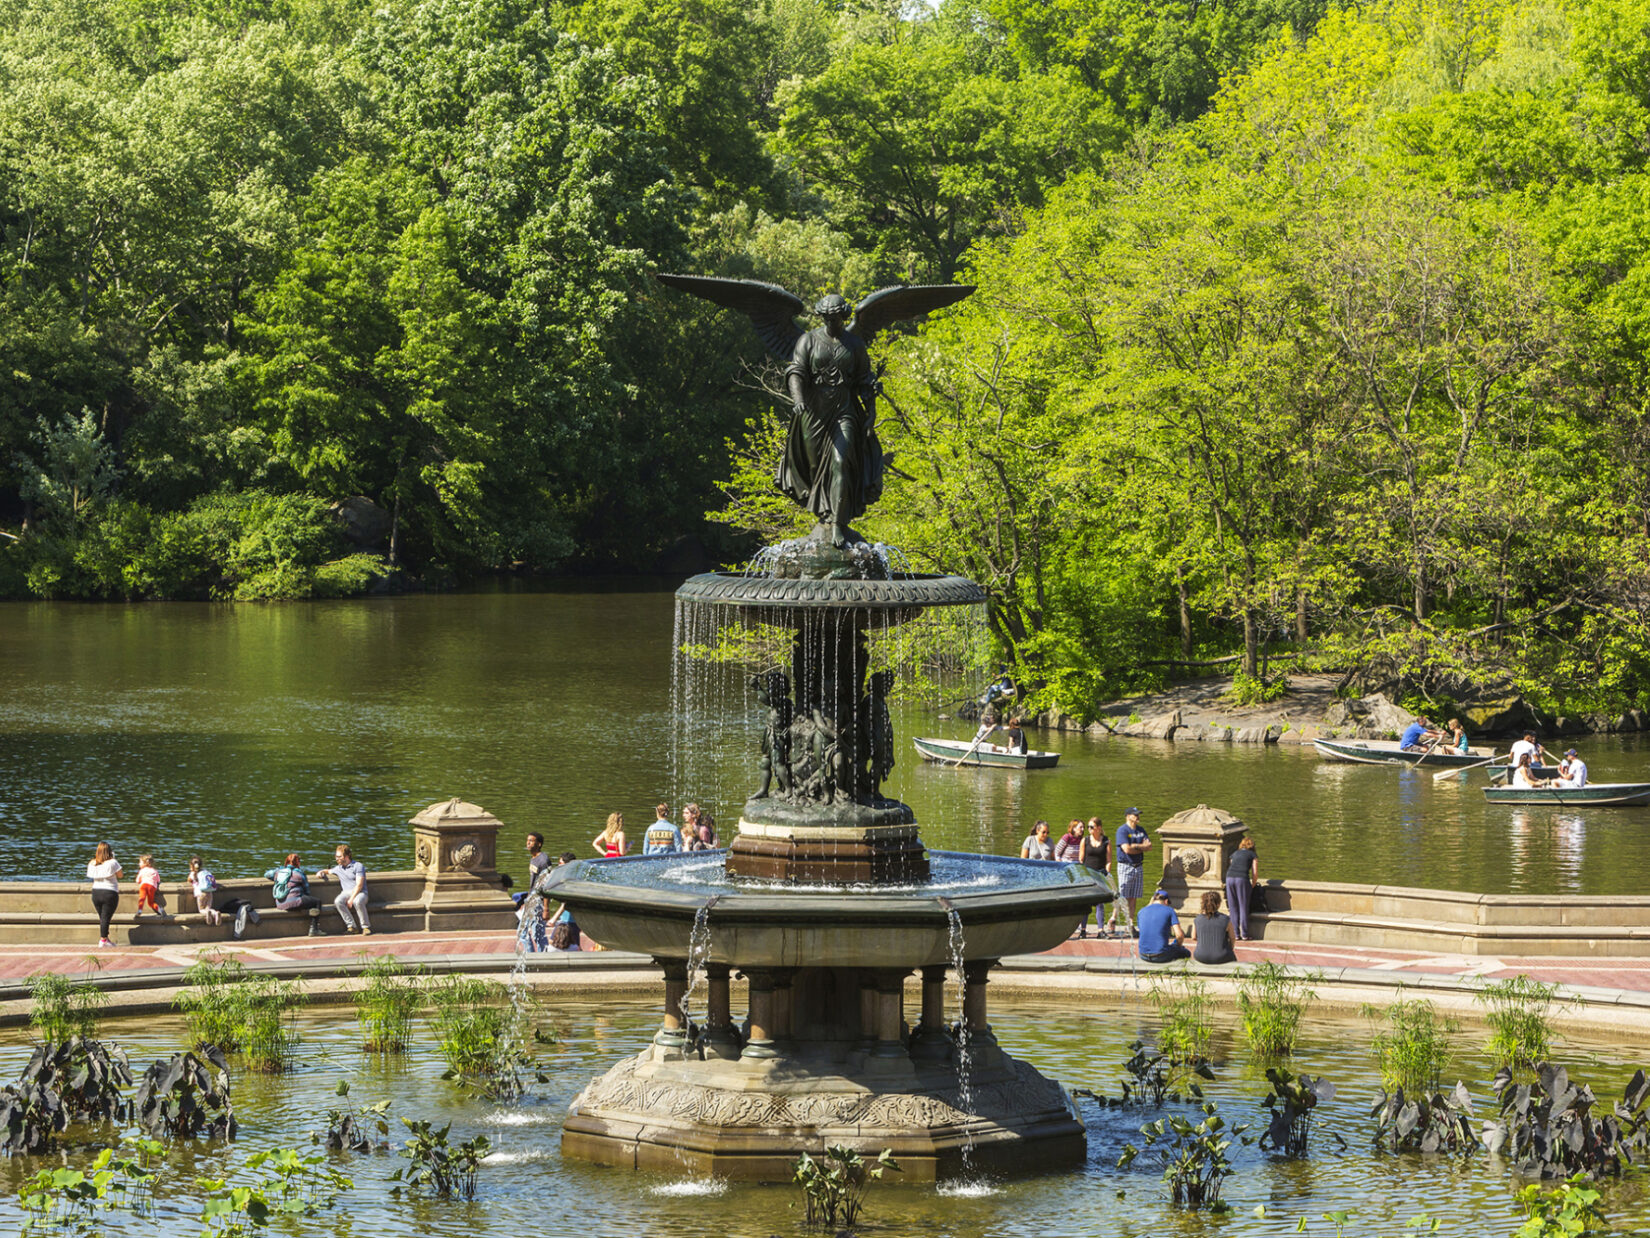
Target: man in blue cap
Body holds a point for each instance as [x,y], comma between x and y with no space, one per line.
[1132,845]
[1160,932]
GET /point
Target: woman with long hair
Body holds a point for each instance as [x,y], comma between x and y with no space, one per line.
[1242,875]
[611,842]
[104,873]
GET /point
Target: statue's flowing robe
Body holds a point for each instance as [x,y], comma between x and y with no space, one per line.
[832,455]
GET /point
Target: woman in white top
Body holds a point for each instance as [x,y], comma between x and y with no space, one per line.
[1522,777]
[104,874]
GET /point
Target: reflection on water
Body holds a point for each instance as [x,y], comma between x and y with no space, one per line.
[526,1188]
[245,732]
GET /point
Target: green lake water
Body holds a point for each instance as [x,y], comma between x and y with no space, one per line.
[243,732]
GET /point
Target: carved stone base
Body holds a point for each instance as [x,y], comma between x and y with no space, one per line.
[862,844]
[749,1119]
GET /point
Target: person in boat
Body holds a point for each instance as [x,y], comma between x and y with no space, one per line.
[1572,771]
[988,724]
[1526,747]
[1160,932]
[1420,735]
[1015,738]
[1458,737]
[1037,845]
[1523,774]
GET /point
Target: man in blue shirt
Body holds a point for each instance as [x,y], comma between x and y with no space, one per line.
[1132,845]
[1160,933]
[1419,735]
[662,836]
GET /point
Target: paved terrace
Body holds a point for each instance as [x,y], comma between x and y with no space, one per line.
[1608,993]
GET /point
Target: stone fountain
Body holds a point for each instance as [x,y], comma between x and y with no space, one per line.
[826,901]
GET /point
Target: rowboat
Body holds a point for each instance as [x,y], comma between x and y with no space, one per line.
[1388,752]
[956,751]
[1593,795]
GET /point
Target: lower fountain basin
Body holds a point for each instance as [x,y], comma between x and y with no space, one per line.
[1004,906]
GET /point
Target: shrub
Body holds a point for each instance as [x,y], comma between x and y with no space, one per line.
[387,1005]
[213,1003]
[481,1036]
[437,1167]
[1255,690]
[1194,1160]
[64,1009]
[1521,1030]
[185,1097]
[1182,1002]
[1412,1049]
[833,1185]
[268,1037]
[1271,1001]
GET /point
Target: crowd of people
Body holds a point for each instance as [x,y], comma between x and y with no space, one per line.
[1157,927]
[289,879]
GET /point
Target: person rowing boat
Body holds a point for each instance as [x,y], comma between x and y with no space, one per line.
[1420,736]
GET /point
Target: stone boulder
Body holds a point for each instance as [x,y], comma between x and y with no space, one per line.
[1161,727]
[1499,716]
[362,521]
[1383,715]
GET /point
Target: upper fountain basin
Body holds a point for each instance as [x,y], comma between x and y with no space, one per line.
[1005,906]
[901,591]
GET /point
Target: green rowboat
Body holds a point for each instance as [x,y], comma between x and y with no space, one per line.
[1593,795]
[957,751]
[1387,752]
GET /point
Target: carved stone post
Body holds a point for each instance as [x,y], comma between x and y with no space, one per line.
[867,1008]
[890,992]
[782,1002]
[930,1042]
[455,846]
[672,1034]
[975,973]
[1197,844]
[720,1040]
[760,1044]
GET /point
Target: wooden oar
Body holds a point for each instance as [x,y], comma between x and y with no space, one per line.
[1432,748]
[1461,769]
[972,747]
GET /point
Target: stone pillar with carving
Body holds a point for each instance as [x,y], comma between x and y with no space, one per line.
[1196,846]
[455,847]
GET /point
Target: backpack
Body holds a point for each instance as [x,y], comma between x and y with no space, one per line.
[205,882]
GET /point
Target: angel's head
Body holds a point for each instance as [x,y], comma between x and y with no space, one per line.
[833,307]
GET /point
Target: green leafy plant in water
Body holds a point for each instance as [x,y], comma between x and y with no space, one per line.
[1550,1129]
[1182,1002]
[213,1003]
[187,1097]
[833,1185]
[1521,1028]
[386,1007]
[1560,1211]
[1293,1100]
[1430,1122]
[65,1201]
[62,1008]
[352,1130]
[268,1036]
[288,1184]
[1411,1044]
[1271,1001]
[1153,1078]
[482,1038]
[1340,1219]
[1193,1157]
[89,1078]
[437,1167]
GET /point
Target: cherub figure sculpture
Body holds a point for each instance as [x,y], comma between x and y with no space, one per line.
[876,728]
[833,460]
[773,689]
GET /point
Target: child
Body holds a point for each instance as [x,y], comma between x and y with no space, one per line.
[204,884]
[148,883]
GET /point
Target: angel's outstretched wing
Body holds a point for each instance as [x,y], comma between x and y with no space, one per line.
[770,308]
[887,305]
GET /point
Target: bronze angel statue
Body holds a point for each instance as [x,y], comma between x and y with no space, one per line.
[833,460]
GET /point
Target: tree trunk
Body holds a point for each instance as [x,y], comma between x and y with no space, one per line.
[395,530]
[1185,613]
[1251,644]
[1300,617]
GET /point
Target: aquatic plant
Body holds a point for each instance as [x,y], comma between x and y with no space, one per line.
[1194,1157]
[288,1184]
[185,1097]
[481,1039]
[1182,1002]
[31,1117]
[89,1078]
[352,1129]
[1549,1129]
[387,1005]
[62,1008]
[1521,1029]
[267,1035]
[1429,1122]
[1271,1001]
[437,1167]
[1153,1078]
[1412,1049]
[213,1003]
[833,1184]
[1560,1211]
[68,1201]
[1293,1100]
